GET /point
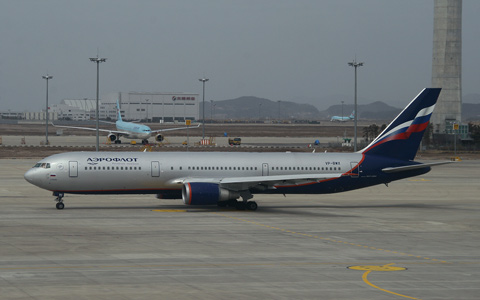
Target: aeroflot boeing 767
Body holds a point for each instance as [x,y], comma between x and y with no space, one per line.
[220,178]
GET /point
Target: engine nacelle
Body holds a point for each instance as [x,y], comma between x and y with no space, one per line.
[159,138]
[204,193]
[112,137]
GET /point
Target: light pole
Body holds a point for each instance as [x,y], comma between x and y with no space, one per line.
[355,64]
[211,111]
[203,109]
[342,109]
[278,111]
[97,61]
[47,78]
[147,108]
[85,109]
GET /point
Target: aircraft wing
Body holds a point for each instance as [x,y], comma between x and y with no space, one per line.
[178,128]
[93,129]
[261,182]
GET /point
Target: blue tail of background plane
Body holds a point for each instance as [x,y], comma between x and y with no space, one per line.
[119,114]
[401,139]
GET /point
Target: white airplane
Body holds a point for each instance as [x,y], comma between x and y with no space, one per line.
[220,178]
[129,130]
[343,119]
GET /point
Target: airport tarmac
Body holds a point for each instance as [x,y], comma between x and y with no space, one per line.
[72,140]
[416,239]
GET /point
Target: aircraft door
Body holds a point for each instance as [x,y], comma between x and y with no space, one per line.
[73,168]
[155,169]
[264,169]
[355,173]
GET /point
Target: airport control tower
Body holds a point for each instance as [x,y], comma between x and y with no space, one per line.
[447,63]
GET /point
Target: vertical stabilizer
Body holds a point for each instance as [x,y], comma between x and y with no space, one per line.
[119,114]
[401,139]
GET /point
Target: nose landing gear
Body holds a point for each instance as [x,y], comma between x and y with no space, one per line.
[59,200]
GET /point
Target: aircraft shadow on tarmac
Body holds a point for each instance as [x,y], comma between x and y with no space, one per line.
[318,210]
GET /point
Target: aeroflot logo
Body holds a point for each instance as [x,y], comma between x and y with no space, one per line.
[96,160]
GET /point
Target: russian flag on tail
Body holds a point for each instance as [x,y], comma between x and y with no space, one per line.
[402,137]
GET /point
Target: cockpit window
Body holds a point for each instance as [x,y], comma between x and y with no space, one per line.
[42,165]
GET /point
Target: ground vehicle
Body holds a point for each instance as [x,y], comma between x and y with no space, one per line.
[235,142]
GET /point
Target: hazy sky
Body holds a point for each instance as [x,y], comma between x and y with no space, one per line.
[281,50]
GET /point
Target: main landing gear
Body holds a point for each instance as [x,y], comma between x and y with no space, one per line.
[59,200]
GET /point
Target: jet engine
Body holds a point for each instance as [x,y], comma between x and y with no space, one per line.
[159,138]
[112,137]
[204,193]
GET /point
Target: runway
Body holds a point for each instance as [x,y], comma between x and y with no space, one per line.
[416,239]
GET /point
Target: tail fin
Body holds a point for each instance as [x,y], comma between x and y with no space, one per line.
[352,115]
[119,114]
[402,137]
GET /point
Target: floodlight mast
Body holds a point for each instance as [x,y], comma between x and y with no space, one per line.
[355,64]
[203,109]
[47,78]
[97,61]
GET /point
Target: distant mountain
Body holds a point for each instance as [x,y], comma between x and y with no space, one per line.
[253,108]
[373,111]
[471,107]
[250,107]
[470,112]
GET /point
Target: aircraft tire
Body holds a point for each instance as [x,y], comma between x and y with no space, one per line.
[252,205]
[60,205]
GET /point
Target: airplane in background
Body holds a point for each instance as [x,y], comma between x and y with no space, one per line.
[129,130]
[343,119]
[220,178]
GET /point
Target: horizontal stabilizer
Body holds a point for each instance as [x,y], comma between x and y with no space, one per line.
[414,167]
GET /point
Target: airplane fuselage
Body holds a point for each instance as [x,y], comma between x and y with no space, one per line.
[134,130]
[164,173]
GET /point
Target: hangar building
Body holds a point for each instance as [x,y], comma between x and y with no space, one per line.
[153,107]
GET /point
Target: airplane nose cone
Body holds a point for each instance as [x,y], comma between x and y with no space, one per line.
[28,176]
